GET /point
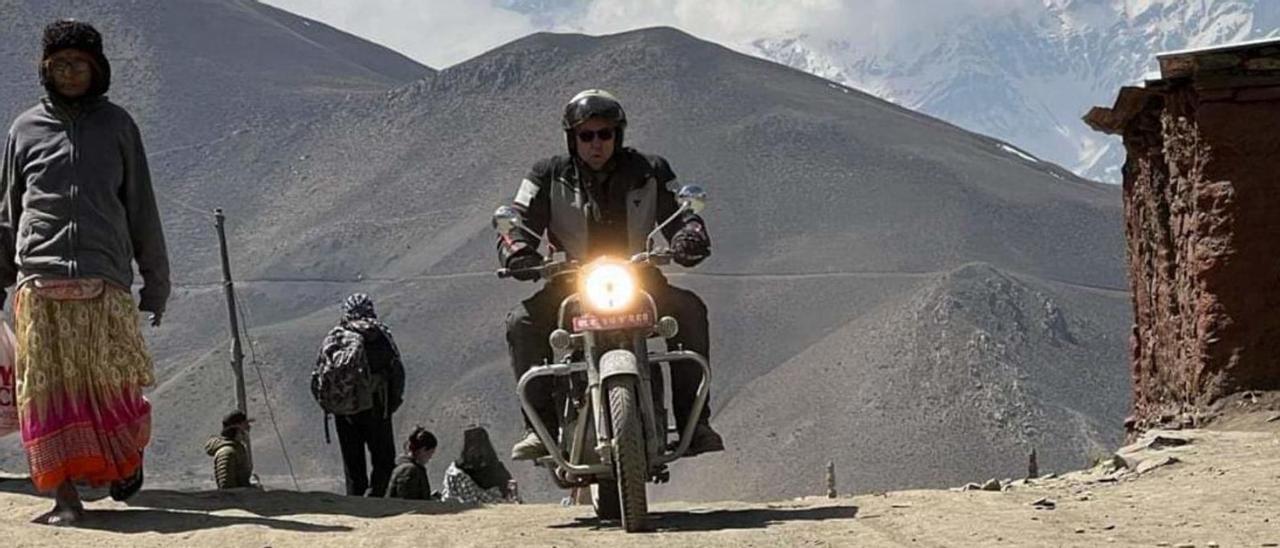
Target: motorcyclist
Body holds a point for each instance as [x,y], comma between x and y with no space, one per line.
[602,199]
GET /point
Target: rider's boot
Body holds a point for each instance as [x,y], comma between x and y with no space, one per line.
[540,395]
[529,448]
[705,440]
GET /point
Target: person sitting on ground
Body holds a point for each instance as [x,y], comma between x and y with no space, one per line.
[232,465]
[409,479]
[478,477]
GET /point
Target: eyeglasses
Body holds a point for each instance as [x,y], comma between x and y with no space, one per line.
[70,67]
[587,135]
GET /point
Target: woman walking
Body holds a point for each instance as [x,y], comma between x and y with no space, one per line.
[77,210]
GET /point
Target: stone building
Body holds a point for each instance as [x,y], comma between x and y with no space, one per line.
[1202,217]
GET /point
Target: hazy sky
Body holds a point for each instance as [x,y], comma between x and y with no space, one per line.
[444,32]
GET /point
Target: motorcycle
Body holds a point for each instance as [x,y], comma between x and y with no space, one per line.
[614,436]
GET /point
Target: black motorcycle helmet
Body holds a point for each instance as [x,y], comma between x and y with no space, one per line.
[593,103]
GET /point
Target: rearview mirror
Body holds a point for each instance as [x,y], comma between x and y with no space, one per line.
[692,198]
[506,220]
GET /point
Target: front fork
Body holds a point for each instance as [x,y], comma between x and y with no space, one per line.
[616,363]
[596,372]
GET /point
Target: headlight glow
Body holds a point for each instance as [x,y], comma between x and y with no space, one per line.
[609,287]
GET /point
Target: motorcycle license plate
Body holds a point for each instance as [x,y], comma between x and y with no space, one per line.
[591,322]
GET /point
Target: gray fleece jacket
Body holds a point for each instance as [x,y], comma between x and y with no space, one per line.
[77,200]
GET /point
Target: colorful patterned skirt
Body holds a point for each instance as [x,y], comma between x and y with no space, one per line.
[80,370]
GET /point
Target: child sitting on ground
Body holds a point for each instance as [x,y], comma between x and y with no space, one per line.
[409,479]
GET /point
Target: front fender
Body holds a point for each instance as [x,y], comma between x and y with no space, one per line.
[618,362]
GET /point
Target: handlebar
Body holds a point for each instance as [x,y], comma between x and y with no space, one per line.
[545,270]
[659,257]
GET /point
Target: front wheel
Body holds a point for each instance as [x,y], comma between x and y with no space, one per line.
[629,463]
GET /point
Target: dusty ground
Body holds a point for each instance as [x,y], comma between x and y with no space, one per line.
[1222,488]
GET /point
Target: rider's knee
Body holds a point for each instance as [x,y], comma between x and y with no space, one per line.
[699,306]
[518,322]
[691,305]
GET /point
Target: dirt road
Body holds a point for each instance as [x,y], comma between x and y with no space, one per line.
[1221,487]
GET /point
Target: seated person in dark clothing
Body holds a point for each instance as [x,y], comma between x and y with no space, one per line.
[232,466]
[409,479]
[478,477]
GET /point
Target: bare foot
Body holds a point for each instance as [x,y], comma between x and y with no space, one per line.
[68,508]
[61,515]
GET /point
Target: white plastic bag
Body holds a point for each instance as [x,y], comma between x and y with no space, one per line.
[8,388]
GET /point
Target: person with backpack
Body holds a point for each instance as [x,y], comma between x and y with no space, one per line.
[359,379]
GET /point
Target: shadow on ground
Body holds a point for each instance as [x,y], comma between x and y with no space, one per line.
[285,503]
[165,511]
[132,521]
[21,485]
[719,520]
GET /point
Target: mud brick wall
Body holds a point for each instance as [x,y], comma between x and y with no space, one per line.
[1202,207]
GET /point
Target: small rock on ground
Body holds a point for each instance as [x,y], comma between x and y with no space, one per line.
[1161,442]
[1149,465]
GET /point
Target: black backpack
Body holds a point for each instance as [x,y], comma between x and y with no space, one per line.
[342,382]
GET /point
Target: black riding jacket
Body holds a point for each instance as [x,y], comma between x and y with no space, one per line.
[590,214]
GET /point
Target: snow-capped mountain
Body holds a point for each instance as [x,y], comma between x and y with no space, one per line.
[1026,75]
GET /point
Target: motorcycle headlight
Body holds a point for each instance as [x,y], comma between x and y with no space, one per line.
[609,287]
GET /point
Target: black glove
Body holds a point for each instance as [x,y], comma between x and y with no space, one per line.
[691,244]
[523,260]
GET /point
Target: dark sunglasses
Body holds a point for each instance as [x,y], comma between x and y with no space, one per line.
[587,135]
[77,66]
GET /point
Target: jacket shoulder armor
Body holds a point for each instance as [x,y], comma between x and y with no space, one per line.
[651,165]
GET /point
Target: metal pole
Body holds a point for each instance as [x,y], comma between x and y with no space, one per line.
[228,287]
[831,480]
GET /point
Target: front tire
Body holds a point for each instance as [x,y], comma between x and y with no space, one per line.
[629,463]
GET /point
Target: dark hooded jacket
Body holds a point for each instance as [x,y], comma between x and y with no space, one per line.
[409,480]
[77,200]
[231,465]
[480,461]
